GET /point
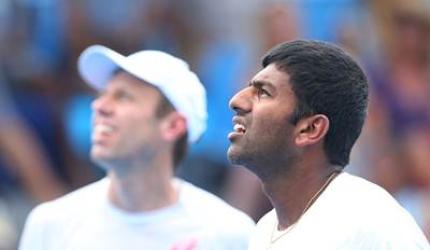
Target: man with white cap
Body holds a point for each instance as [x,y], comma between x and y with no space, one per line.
[150,107]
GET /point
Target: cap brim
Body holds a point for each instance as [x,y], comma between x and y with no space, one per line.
[97,64]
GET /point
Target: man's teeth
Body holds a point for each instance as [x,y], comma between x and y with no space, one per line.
[102,128]
[239,128]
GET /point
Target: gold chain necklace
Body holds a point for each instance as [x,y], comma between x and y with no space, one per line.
[308,205]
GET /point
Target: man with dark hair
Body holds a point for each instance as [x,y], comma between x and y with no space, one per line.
[295,125]
[150,107]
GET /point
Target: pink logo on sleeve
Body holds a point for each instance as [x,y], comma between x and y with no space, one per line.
[188,244]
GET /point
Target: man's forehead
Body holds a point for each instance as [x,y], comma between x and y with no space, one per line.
[271,71]
[126,79]
[272,76]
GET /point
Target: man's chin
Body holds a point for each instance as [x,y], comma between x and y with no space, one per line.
[234,156]
[101,160]
[101,163]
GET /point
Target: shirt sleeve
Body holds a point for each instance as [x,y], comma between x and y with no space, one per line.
[32,236]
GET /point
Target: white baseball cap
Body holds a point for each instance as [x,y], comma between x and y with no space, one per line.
[171,75]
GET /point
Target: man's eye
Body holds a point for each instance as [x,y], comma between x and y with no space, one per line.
[262,92]
[124,96]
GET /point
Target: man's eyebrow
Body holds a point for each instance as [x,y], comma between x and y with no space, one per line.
[260,83]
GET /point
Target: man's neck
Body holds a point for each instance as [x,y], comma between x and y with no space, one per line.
[142,189]
[293,194]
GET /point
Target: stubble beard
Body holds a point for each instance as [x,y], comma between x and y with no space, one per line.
[271,159]
[263,164]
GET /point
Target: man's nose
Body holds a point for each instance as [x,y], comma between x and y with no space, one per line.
[102,105]
[241,102]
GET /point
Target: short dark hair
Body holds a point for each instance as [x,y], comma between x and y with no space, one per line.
[181,145]
[326,81]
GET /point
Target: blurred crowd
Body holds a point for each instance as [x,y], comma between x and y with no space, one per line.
[45,111]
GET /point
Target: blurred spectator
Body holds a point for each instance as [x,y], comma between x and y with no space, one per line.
[401,79]
[24,154]
[118,23]
[26,174]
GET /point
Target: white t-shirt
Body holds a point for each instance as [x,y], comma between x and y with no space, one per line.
[86,220]
[350,214]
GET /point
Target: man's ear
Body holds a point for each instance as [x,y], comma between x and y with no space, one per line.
[173,126]
[311,130]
